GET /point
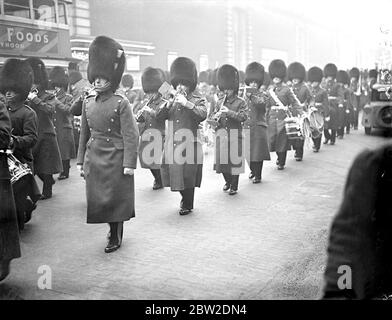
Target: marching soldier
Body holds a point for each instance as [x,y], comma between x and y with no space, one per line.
[181,169]
[319,101]
[296,74]
[16,83]
[46,153]
[356,90]
[9,235]
[256,123]
[372,80]
[230,113]
[135,97]
[344,107]
[108,144]
[63,119]
[335,98]
[282,101]
[151,127]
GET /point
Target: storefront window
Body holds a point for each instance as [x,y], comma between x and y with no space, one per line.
[62,13]
[17,8]
[44,10]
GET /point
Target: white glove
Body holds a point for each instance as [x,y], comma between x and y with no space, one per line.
[128,171]
[80,169]
[31,95]
[181,99]
[347,111]
[327,119]
[224,109]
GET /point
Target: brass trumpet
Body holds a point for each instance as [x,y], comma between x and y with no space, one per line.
[147,104]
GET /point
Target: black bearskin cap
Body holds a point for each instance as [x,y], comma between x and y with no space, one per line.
[342,77]
[254,73]
[203,76]
[58,78]
[296,70]
[228,78]
[40,73]
[277,69]
[330,70]
[127,81]
[152,79]
[16,75]
[315,74]
[354,73]
[373,73]
[74,76]
[183,70]
[106,60]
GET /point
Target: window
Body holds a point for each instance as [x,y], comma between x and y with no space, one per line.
[171,56]
[203,62]
[133,63]
[44,10]
[17,8]
[62,13]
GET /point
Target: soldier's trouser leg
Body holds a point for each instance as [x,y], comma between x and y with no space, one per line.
[48,181]
[66,167]
[157,175]
[188,196]
[257,168]
[317,143]
[21,203]
[282,158]
[234,182]
[116,233]
[327,135]
[356,119]
[299,149]
[333,136]
[227,177]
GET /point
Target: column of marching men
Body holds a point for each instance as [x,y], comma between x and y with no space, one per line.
[53,114]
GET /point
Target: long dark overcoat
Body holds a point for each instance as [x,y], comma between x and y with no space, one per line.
[108,143]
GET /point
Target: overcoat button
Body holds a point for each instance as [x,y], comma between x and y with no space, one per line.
[107,140]
[109,130]
[112,120]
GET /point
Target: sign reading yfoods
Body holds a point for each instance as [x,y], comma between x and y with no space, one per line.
[24,40]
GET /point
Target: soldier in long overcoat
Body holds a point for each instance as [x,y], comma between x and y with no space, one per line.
[109,140]
[9,235]
[231,113]
[335,98]
[344,108]
[151,127]
[256,124]
[63,118]
[182,164]
[357,93]
[282,100]
[46,153]
[16,83]
[296,73]
[319,100]
[359,263]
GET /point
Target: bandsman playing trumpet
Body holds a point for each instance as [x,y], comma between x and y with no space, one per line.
[150,125]
[256,124]
[344,106]
[230,114]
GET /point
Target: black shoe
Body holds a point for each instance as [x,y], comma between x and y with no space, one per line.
[251,176]
[332,143]
[29,212]
[298,158]
[115,240]
[184,212]
[257,181]
[326,141]
[315,150]
[111,247]
[281,167]
[63,176]
[157,186]
[226,187]
[46,196]
[232,192]
[340,137]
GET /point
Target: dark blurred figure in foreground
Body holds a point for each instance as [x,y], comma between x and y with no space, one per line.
[9,244]
[360,237]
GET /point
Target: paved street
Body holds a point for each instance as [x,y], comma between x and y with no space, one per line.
[267,242]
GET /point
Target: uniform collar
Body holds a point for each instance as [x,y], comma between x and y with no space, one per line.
[15,107]
[103,96]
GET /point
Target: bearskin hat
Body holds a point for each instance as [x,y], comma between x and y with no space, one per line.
[203,76]
[40,73]
[127,81]
[74,76]
[106,60]
[296,70]
[277,69]
[16,75]
[342,77]
[330,70]
[228,78]
[58,78]
[183,70]
[254,73]
[373,73]
[152,79]
[73,66]
[242,76]
[354,73]
[315,74]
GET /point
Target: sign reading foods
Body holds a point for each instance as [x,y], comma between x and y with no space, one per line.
[19,40]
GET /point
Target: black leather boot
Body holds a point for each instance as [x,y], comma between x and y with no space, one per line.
[115,237]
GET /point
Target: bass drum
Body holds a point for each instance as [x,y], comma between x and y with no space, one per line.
[316,123]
